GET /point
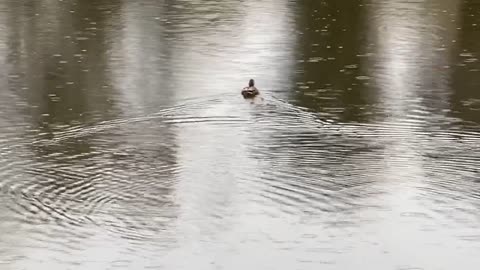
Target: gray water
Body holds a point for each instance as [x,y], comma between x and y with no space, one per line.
[125,142]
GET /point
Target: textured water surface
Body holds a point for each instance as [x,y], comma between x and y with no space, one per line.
[125,142]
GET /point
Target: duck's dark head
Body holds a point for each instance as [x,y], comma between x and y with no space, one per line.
[251,83]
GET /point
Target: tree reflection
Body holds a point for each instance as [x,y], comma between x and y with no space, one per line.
[333,41]
[465,96]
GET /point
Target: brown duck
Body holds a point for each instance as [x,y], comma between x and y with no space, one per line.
[250,91]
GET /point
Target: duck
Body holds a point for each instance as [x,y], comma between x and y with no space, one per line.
[250,91]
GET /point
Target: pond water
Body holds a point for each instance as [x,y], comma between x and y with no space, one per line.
[125,142]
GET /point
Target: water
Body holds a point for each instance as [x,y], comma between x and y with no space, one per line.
[125,143]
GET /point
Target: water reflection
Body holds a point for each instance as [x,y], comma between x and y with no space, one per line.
[125,143]
[332,78]
[466,99]
[411,59]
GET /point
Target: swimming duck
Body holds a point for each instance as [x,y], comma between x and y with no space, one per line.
[250,91]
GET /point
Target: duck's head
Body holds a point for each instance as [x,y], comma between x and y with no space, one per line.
[251,83]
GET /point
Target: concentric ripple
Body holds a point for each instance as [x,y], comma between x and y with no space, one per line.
[142,180]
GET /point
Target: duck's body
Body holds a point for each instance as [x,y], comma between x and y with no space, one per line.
[251,91]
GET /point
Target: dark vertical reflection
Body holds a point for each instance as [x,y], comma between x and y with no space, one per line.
[465,81]
[80,176]
[54,50]
[56,68]
[330,78]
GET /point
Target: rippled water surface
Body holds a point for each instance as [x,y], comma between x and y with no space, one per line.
[125,143]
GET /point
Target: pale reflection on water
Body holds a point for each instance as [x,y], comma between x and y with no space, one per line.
[125,142]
